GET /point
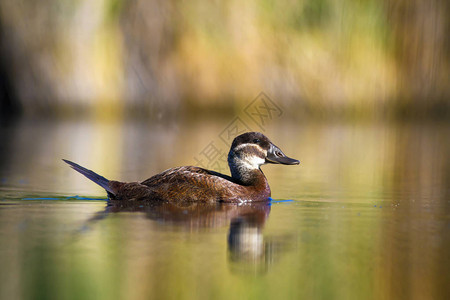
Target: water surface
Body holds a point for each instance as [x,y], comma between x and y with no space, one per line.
[366,215]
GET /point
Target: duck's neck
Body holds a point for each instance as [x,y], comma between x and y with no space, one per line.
[244,173]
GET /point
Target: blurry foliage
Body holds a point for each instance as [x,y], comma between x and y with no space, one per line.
[315,57]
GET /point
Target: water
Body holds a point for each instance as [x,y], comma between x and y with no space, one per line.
[366,215]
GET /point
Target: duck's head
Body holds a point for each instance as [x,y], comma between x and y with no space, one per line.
[251,150]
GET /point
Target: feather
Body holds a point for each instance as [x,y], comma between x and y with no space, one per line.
[98,179]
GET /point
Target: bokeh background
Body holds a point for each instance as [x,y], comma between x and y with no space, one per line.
[317,58]
[360,94]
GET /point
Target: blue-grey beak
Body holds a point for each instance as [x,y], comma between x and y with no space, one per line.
[276,156]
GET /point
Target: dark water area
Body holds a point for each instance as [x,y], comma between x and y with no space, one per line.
[366,215]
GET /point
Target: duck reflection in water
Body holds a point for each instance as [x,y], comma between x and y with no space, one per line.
[249,251]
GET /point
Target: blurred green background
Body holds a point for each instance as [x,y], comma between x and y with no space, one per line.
[317,58]
[131,88]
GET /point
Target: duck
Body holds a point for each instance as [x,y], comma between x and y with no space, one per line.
[247,183]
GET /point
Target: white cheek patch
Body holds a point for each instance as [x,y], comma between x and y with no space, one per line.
[253,162]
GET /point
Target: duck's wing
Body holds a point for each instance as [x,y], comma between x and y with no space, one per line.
[193,184]
[188,173]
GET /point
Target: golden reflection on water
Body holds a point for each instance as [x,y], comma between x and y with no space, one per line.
[369,220]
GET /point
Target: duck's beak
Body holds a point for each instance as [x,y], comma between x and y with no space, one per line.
[276,156]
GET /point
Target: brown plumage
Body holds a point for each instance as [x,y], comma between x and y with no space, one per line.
[186,184]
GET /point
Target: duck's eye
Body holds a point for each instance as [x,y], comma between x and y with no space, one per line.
[256,141]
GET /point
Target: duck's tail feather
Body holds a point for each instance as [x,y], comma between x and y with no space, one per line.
[100,180]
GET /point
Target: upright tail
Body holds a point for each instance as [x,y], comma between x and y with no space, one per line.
[100,180]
